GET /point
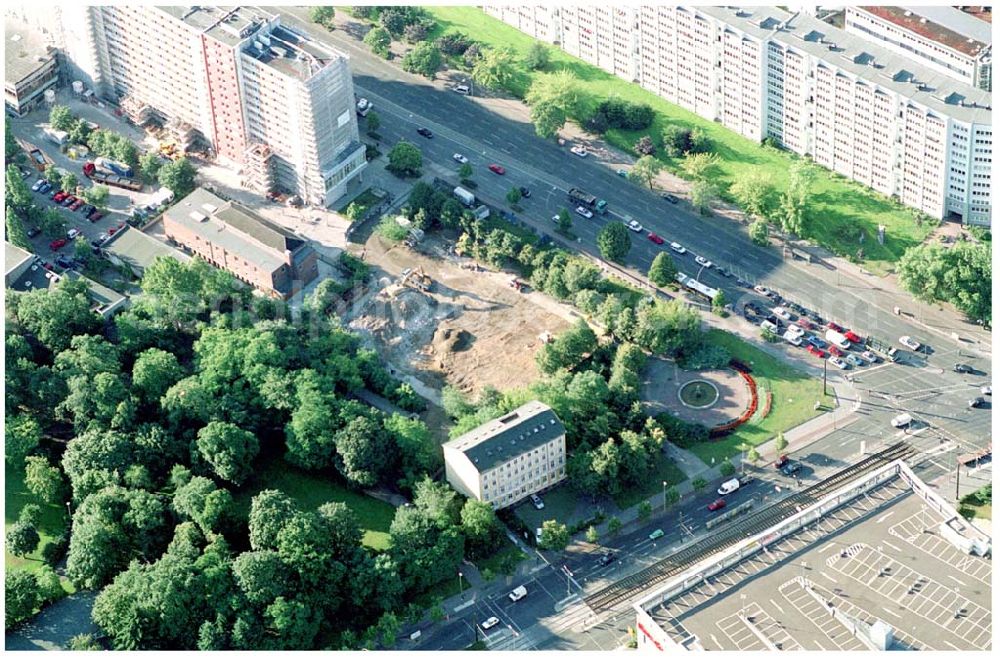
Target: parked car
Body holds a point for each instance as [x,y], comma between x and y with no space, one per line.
[658,533]
[459,158]
[517,594]
[718,504]
[33,231]
[64,261]
[57,244]
[525,192]
[655,238]
[75,206]
[37,185]
[816,342]
[69,199]
[580,151]
[870,357]
[584,212]
[59,197]
[854,360]
[72,233]
[112,231]
[782,312]
[537,502]
[622,173]
[978,401]
[835,327]
[795,330]
[96,216]
[425,132]
[671,198]
[677,247]
[813,350]
[852,337]
[607,558]
[702,261]
[837,361]
[634,226]
[963,368]
[497,169]
[490,622]
[461,89]
[791,467]
[792,338]
[46,187]
[781,462]
[909,342]
[805,324]
[986,390]
[86,209]
[763,290]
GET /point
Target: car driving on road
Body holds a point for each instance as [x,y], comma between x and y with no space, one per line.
[583,212]
[634,226]
[677,247]
[607,558]
[655,238]
[497,169]
[580,151]
[458,157]
[702,261]
[718,504]
[658,533]
[671,198]
[426,132]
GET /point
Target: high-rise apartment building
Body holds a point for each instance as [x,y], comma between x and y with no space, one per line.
[852,105]
[944,39]
[259,94]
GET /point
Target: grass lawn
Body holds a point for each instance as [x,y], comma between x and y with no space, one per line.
[840,209]
[311,491]
[983,512]
[503,561]
[365,200]
[793,395]
[666,471]
[53,522]
[560,505]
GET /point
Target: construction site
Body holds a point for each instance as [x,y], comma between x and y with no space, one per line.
[878,562]
[445,320]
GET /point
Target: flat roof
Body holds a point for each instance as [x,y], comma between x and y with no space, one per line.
[889,563]
[235,228]
[22,49]
[948,26]
[14,256]
[102,296]
[291,53]
[497,441]
[229,25]
[135,248]
[864,59]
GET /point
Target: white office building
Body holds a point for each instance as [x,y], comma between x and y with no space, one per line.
[847,102]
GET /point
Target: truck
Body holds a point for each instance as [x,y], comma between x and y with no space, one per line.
[113,167]
[578,196]
[467,198]
[481,212]
[97,176]
[40,160]
[838,339]
[57,137]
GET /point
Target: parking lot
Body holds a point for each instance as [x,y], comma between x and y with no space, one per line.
[883,562]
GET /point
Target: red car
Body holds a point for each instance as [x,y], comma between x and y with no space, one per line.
[804,323]
[781,462]
[120,226]
[497,169]
[57,244]
[68,200]
[60,196]
[834,350]
[75,206]
[813,350]
[655,238]
[834,326]
[112,231]
[718,504]
[96,216]
[852,337]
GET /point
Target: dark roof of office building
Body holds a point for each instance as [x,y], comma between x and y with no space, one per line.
[24,51]
[947,26]
[235,228]
[495,442]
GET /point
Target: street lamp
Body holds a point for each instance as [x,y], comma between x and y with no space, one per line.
[460,583]
[664,495]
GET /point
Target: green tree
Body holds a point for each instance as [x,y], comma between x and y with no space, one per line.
[513,196]
[592,536]
[794,201]
[759,233]
[673,496]
[69,183]
[465,171]
[22,538]
[537,57]
[780,443]
[753,456]
[961,275]
[425,59]
[84,643]
[703,194]
[719,301]
[614,242]
[548,118]
[614,525]
[49,585]
[699,166]
[16,233]
[480,526]
[178,177]
[663,271]
[31,514]
[676,140]
[11,148]
[495,68]
[56,314]
[379,40]
[154,372]
[645,170]
[149,167]
[21,596]
[322,16]
[645,510]
[43,480]
[61,117]
[229,449]
[699,484]
[565,223]
[727,468]
[22,434]
[751,192]
[97,195]
[568,349]
[561,89]
[18,195]
[203,503]
[405,159]
[373,121]
[554,536]
[52,223]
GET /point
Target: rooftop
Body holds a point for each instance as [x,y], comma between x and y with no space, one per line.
[24,51]
[235,228]
[495,442]
[861,58]
[290,53]
[14,256]
[948,26]
[103,299]
[137,249]
[229,25]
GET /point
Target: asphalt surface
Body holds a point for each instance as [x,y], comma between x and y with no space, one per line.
[922,384]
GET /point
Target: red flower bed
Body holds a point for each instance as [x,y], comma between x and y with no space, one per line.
[726,428]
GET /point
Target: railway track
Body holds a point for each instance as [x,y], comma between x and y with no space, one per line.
[626,589]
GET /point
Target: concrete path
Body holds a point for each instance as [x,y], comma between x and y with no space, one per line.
[686,461]
[55,625]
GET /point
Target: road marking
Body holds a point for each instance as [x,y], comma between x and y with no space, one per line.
[889,544]
[818,645]
[884,517]
[829,577]
[892,613]
[951,644]
[777,606]
[715,640]
[959,581]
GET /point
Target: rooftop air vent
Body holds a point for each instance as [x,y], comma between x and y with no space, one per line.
[209,208]
[198,217]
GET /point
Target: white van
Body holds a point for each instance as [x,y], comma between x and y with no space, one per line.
[901,421]
[729,486]
[838,339]
[793,338]
[769,326]
[517,593]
